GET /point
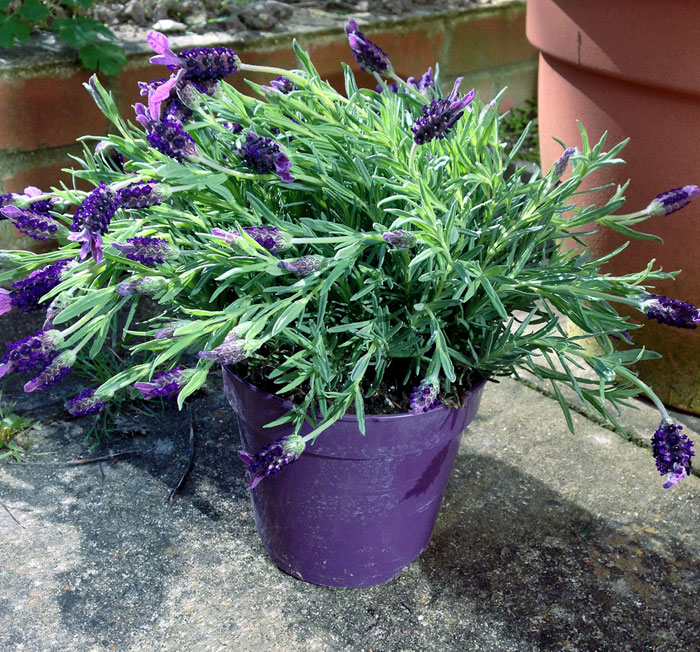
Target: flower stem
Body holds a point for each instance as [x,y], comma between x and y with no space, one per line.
[626,373]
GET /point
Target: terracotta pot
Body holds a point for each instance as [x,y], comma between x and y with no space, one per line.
[632,68]
[352,511]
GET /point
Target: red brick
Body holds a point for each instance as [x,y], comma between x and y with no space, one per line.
[42,177]
[42,112]
[488,42]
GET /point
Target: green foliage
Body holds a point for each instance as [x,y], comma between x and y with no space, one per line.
[11,425]
[519,120]
[89,37]
[482,293]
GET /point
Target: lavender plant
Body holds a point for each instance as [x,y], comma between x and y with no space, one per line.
[335,244]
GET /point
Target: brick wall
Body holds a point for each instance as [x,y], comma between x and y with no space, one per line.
[44,107]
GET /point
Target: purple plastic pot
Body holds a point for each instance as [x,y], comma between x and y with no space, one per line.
[352,511]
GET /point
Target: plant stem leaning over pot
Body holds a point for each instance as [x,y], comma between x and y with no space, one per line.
[334,244]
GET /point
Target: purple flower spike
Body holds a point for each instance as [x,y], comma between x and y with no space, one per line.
[59,368]
[263,155]
[143,194]
[147,251]
[147,286]
[32,353]
[92,219]
[368,54]
[400,239]
[165,385]
[281,84]
[230,351]
[424,397]
[439,118]
[35,225]
[273,458]
[85,403]
[25,294]
[169,137]
[670,311]
[197,64]
[32,218]
[672,200]
[562,162]
[169,330]
[672,452]
[268,237]
[304,266]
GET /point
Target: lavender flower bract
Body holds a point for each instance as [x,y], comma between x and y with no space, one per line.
[56,371]
[672,200]
[165,385]
[142,194]
[268,237]
[423,398]
[672,451]
[273,458]
[169,137]
[263,155]
[230,351]
[672,312]
[146,286]
[198,64]
[32,353]
[304,266]
[85,403]
[368,55]
[442,114]
[145,250]
[32,218]
[25,295]
[92,220]
[562,162]
[400,239]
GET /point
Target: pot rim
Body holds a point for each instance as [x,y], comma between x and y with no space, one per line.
[288,405]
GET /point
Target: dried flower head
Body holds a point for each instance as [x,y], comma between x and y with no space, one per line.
[85,403]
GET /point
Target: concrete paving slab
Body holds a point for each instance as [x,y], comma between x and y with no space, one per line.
[545,541]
